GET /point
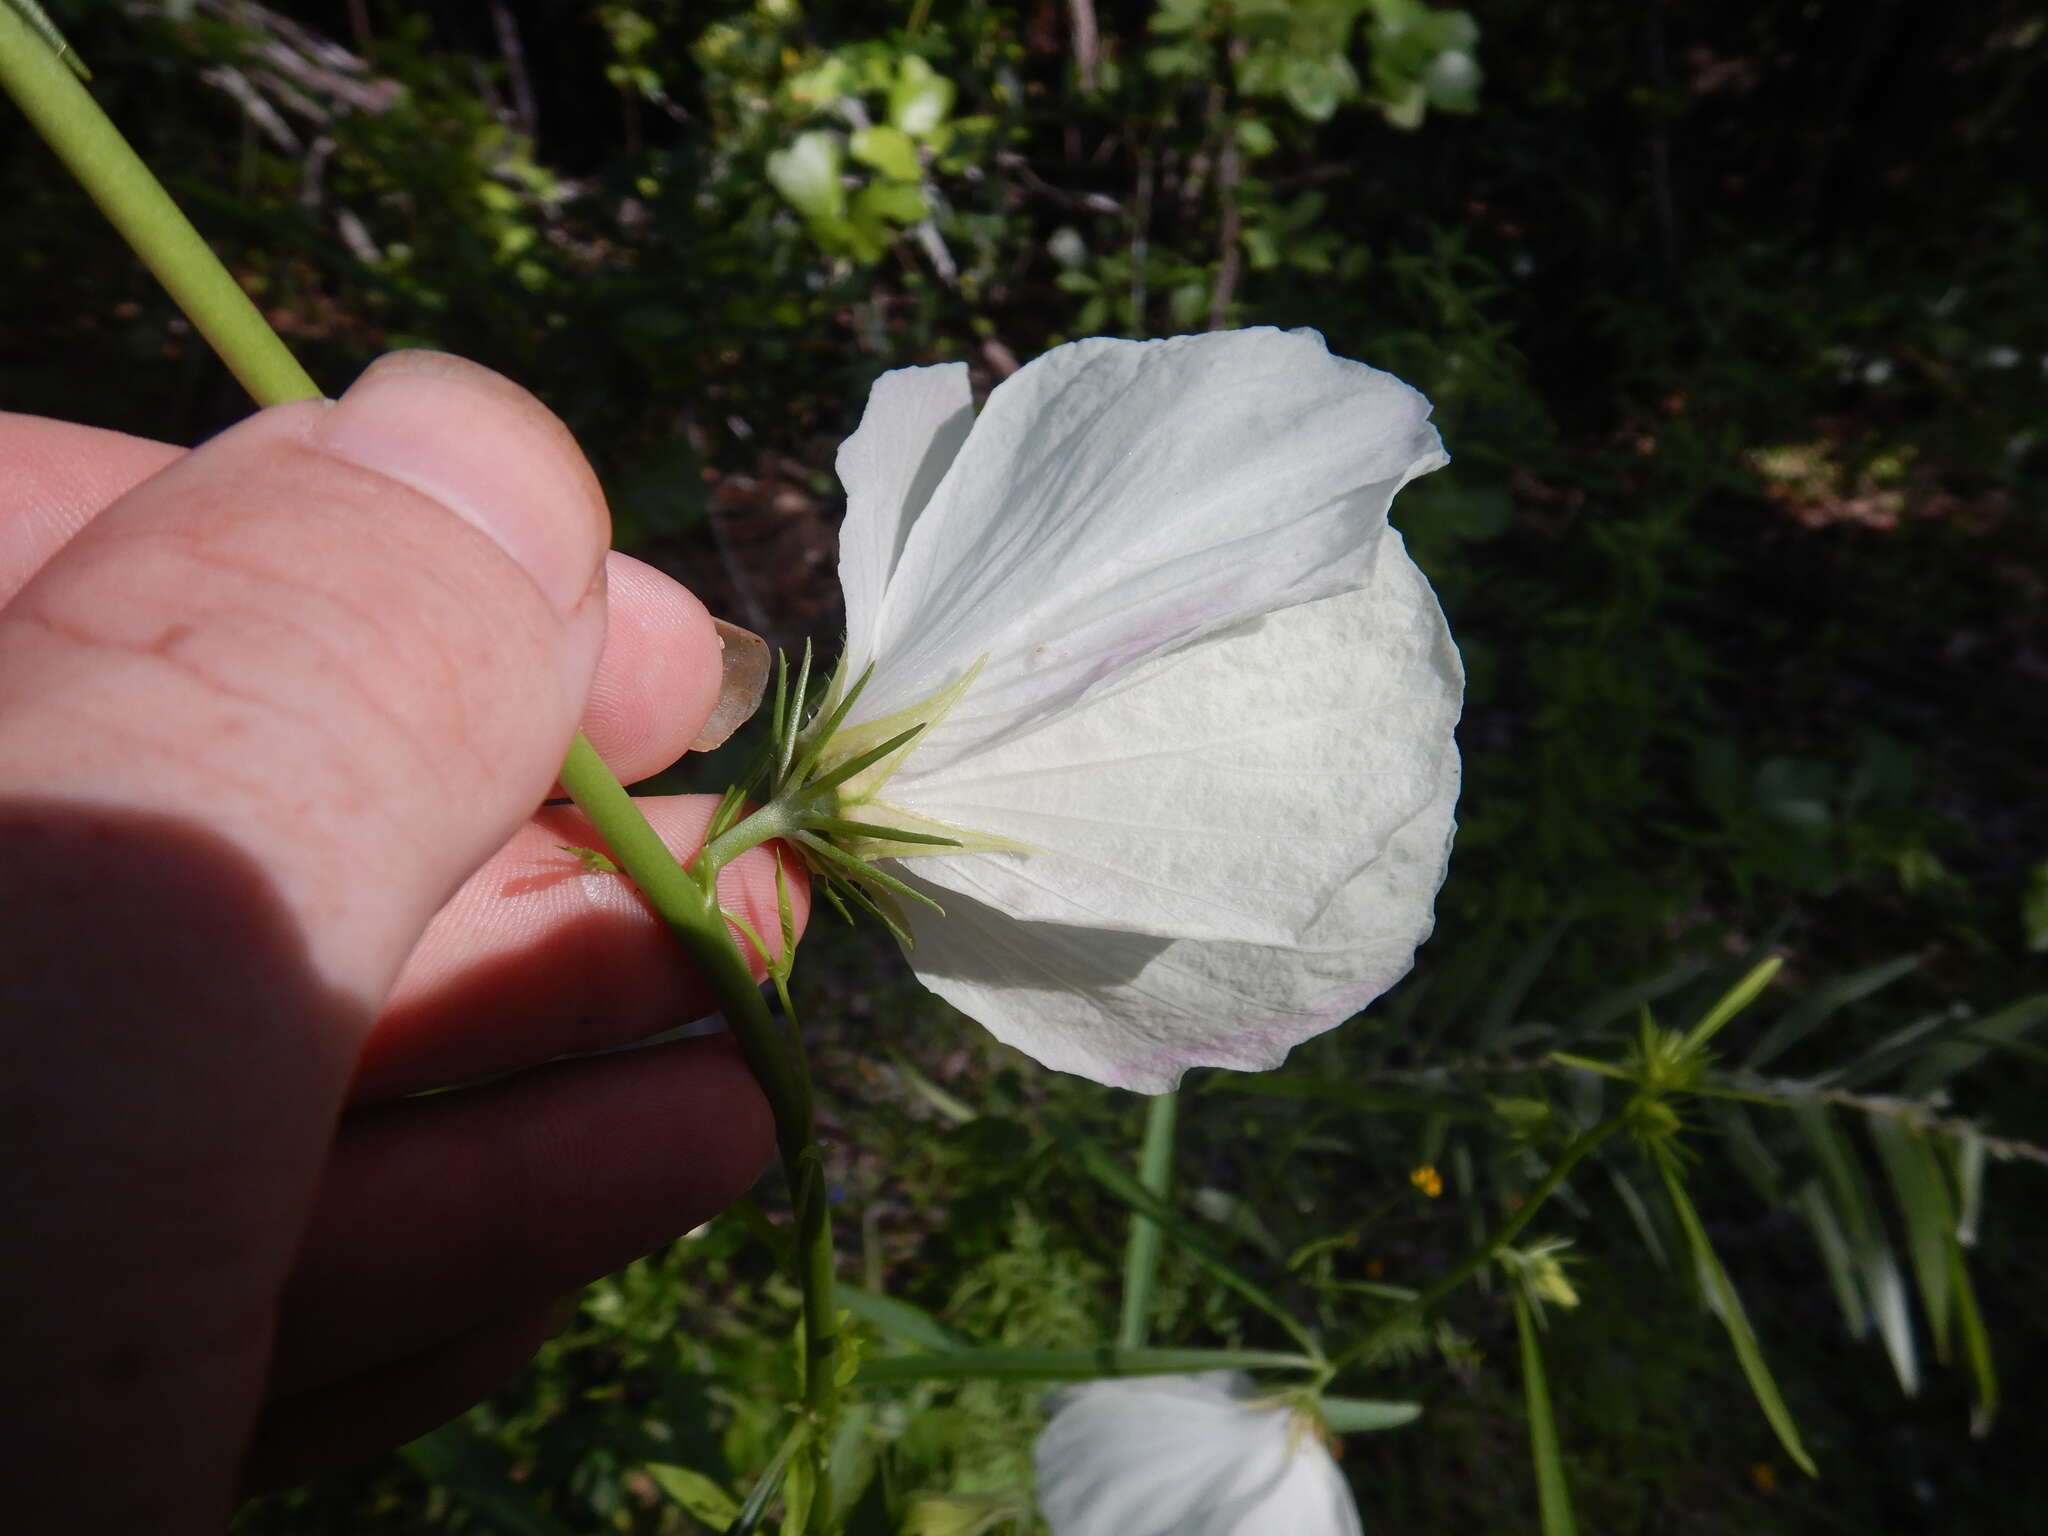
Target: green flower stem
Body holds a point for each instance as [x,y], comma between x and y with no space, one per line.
[1141,1254]
[1491,1249]
[687,900]
[92,148]
[770,821]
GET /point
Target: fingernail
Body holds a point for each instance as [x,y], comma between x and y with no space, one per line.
[742,681]
[484,448]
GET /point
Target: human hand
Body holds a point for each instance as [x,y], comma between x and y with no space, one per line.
[275,716]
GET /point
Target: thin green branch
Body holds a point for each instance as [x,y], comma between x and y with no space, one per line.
[1490,1249]
[1141,1254]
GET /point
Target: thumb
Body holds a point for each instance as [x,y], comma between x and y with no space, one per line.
[257,720]
[352,639]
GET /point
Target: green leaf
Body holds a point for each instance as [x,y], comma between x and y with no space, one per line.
[755,1510]
[889,150]
[1727,1305]
[1976,1343]
[954,1110]
[1094,1161]
[1877,1268]
[695,1494]
[1799,1021]
[1966,1150]
[1002,1364]
[900,1320]
[888,203]
[807,175]
[2034,910]
[1944,1061]
[1732,1002]
[1922,1192]
[920,98]
[1504,1003]
[1256,138]
[1837,1256]
[1553,1493]
[1366,1415]
[1625,1000]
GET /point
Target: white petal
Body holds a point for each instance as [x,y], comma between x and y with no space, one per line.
[1227,790]
[1135,1011]
[915,421]
[1117,499]
[1184,1456]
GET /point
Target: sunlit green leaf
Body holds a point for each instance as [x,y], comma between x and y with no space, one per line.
[695,1494]
[888,149]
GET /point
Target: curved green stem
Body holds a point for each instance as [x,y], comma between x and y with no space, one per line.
[687,901]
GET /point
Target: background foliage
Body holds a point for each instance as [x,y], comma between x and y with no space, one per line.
[1734,323]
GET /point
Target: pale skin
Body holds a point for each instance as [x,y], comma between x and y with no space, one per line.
[277,719]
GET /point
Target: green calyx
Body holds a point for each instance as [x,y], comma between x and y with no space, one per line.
[823,781]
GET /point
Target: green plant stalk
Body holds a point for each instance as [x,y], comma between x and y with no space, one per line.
[687,901]
[113,175]
[1491,1249]
[92,148]
[1141,1254]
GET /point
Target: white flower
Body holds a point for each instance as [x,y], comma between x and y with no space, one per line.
[1186,1456]
[1215,698]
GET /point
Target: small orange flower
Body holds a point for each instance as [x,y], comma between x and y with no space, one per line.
[1428,1180]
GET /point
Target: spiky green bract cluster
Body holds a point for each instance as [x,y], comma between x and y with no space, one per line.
[808,780]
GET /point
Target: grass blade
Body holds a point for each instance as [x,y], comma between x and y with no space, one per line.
[1976,1343]
[1877,1268]
[1837,1256]
[1727,1305]
[1504,1003]
[1803,1018]
[1983,1036]
[901,1320]
[1922,1192]
[1553,1494]
[1733,1001]
[1090,1157]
